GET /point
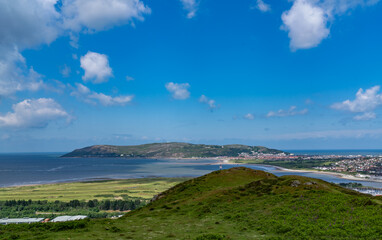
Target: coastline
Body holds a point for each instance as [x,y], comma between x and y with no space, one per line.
[335,174]
[184,162]
[88,180]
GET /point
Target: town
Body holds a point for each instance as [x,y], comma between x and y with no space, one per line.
[362,166]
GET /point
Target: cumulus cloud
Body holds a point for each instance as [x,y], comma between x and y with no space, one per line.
[365,102]
[262,6]
[308,21]
[178,91]
[292,111]
[28,24]
[33,113]
[249,116]
[96,67]
[97,15]
[15,75]
[191,6]
[92,97]
[210,102]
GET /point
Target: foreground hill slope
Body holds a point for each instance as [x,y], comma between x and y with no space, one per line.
[238,203]
[168,150]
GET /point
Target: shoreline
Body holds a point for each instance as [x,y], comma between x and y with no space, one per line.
[282,169]
[336,174]
[209,161]
[86,180]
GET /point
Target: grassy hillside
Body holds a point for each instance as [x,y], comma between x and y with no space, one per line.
[238,203]
[168,150]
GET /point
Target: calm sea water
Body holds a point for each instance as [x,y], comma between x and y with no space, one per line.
[25,169]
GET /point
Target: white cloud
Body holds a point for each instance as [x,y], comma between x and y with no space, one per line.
[191,6]
[178,91]
[96,67]
[74,38]
[15,75]
[89,96]
[28,24]
[65,71]
[210,102]
[249,116]
[97,15]
[307,22]
[82,90]
[33,113]
[128,78]
[107,100]
[292,111]
[365,102]
[365,116]
[262,6]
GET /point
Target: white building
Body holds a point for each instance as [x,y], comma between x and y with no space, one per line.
[68,218]
[6,221]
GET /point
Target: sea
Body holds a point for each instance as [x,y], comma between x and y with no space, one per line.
[18,169]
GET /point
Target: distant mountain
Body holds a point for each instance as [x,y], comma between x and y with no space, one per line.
[169,150]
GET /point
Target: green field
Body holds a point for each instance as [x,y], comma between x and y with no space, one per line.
[141,188]
[290,164]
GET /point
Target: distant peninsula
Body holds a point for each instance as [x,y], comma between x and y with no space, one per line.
[171,150]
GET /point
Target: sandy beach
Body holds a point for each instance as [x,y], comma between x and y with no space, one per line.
[281,169]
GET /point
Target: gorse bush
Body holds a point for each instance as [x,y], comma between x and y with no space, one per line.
[211,236]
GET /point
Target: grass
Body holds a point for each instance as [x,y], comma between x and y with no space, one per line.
[237,203]
[290,164]
[143,188]
[248,161]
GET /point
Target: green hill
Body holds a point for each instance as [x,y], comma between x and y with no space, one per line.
[168,150]
[238,203]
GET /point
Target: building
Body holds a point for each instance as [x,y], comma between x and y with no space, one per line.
[6,221]
[68,218]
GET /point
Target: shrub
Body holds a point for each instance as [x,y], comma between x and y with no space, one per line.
[211,236]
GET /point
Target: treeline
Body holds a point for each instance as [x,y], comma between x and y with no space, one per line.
[93,208]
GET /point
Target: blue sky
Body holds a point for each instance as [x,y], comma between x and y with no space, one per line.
[301,74]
